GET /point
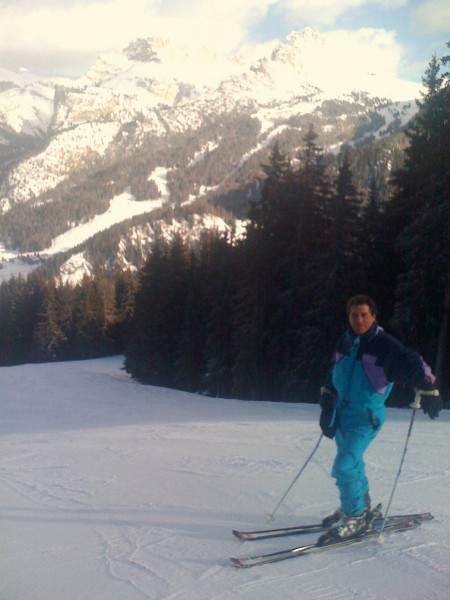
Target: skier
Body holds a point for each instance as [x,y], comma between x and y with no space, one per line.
[365,365]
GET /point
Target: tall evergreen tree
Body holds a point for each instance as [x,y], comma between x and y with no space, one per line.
[377,270]
[309,267]
[89,319]
[420,210]
[265,213]
[20,304]
[220,268]
[346,207]
[279,273]
[125,286]
[49,338]
[258,336]
[331,273]
[141,357]
[310,191]
[190,361]
[153,350]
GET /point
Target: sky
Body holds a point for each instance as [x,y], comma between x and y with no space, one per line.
[64,37]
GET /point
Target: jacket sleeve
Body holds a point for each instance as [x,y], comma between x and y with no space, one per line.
[402,365]
[338,351]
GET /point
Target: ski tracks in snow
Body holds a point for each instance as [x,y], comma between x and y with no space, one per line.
[131,492]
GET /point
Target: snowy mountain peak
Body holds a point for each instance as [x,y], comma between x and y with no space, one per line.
[145,50]
[56,135]
[298,46]
[152,62]
[305,37]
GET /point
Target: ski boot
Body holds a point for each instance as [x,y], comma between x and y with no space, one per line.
[334,517]
[349,527]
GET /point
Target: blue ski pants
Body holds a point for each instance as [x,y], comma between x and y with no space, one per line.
[352,440]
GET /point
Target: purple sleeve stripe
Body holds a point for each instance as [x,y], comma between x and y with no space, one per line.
[337,357]
[427,370]
[374,373]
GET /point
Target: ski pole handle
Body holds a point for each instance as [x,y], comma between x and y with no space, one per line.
[419,393]
[416,403]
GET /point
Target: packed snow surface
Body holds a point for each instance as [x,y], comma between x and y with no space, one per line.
[114,490]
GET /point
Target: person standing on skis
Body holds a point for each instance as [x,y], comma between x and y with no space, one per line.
[366,363]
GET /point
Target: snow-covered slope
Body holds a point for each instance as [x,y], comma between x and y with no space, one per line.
[26,105]
[110,489]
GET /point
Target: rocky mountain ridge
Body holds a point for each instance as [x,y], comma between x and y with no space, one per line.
[68,147]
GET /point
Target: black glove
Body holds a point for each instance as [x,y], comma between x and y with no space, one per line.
[327,400]
[430,399]
[431,404]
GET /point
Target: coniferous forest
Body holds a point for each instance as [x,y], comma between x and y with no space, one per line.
[258,318]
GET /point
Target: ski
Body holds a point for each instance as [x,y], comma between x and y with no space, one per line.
[263,534]
[253,561]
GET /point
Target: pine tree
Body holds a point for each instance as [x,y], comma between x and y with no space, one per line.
[266,212]
[13,322]
[330,274]
[346,207]
[49,338]
[219,275]
[420,210]
[153,352]
[125,286]
[141,350]
[190,361]
[309,191]
[89,319]
[279,270]
[259,327]
[377,267]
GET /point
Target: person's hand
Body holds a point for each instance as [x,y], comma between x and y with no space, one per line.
[430,399]
[431,402]
[327,397]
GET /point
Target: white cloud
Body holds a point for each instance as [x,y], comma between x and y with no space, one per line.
[343,59]
[80,27]
[366,51]
[326,12]
[432,16]
[64,31]
[96,26]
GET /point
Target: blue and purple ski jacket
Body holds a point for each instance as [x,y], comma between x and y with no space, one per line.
[364,369]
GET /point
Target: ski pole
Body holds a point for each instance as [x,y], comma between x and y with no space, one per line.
[415,405]
[272,514]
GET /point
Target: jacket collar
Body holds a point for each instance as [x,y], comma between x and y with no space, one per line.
[366,337]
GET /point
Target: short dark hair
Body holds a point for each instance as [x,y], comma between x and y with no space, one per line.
[362,299]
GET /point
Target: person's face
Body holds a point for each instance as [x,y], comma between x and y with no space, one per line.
[361,319]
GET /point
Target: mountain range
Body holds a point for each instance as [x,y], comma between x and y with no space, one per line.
[158,138]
